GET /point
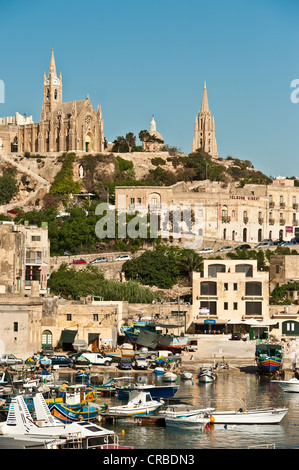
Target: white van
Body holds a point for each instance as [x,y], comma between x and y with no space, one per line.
[93,358]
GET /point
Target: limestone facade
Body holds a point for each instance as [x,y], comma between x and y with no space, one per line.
[230,213]
[204,129]
[283,269]
[64,126]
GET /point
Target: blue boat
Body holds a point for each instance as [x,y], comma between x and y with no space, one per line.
[156,391]
[269,358]
[73,413]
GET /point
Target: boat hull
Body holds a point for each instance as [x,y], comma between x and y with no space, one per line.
[75,413]
[189,421]
[131,411]
[290,386]
[269,364]
[249,417]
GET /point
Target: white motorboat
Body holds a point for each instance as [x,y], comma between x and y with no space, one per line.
[206,375]
[186,375]
[291,385]
[20,425]
[199,420]
[257,416]
[169,377]
[140,403]
[184,410]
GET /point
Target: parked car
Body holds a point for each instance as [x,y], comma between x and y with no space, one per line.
[61,361]
[141,363]
[226,248]
[264,244]
[79,261]
[295,240]
[236,336]
[278,242]
[93,358]
[287,243]
[243,247]
[66,253]
[122,258]
[206,250]
[146,353]
[125,363]
[102,259]
[9,360]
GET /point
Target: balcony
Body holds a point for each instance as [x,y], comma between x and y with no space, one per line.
[271,221]
[282,221]
[271,205]
[261,220]
[225,219]
[295,222]
[245,220]
[282,205]
[295,206]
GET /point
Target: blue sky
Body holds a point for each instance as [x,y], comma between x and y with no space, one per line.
[141,58]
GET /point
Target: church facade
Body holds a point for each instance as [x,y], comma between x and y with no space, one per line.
[63,127]
[204,129]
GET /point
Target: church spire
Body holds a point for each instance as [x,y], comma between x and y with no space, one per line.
[204,103]
[52,69]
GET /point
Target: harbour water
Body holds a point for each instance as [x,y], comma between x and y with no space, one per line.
[232,390]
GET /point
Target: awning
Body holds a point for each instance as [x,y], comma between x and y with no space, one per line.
[217,321]
[68,336]
[92,337]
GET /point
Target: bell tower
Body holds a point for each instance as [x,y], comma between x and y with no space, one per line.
[204,128]
[52,90]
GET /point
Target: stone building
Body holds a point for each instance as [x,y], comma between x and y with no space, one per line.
[154,141]
[204,128]
[246,214]
[24,258]
[64,126]
[283,269]
[229,292]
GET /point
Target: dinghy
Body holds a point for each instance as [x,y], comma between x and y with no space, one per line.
[140,403]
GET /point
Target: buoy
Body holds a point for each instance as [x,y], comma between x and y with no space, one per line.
[212,419]
[123,431]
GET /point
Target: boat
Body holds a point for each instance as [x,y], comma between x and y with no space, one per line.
[169,377]
[184,410]
[198,420]
[149,334]
[255,416]
[291,386]
[79,435]
[206,375]
[269,357]
[156,391]
[73,413]
[186,375]
[140,403]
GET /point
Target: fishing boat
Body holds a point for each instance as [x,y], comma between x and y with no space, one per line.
[72,413]
[184,410]
[199,420]
[242,416]
[140,403]
[78,435]
[156,391]
[186,375]
[269,357]
[291,386]
[169,377]
[206,375]
[149,334]
[159,370]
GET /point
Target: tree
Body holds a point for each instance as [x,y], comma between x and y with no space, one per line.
[120,145]
[8,188]
[190,261]
[131,140]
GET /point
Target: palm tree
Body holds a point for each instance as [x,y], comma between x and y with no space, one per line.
[190,262]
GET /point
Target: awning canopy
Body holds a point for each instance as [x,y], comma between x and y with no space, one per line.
[68,336]
[210,320]
[92,337]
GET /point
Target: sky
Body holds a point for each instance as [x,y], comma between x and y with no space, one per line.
[140,58]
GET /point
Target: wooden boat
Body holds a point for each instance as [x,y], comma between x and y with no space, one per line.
[206,375]
[291,386]
[19,424]
[73,413]
[269,357]
[257,416]
[140,403]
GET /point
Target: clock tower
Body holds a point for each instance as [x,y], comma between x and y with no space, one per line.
[52,90]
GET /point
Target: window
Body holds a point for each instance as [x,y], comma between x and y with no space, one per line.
[15,326]
[208,288]
[95,317]
[213,269]
[253,288]
[35,238]
[244,268]
[225,306]
[212,306]
[235,286]
[139,200]
[235,305]
[225,286]
[132,200]
[154,201]
[68,317]
[277,269]
[253,308]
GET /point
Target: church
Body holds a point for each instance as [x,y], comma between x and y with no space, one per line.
[63,127]
[204,128]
